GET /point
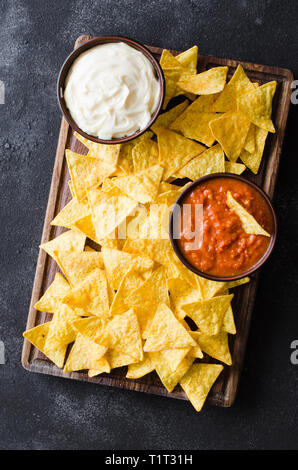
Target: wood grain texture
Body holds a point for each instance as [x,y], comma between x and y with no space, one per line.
[224,390]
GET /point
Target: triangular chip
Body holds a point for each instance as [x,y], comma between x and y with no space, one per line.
[175,151]
[195,351]
[130,281]
[61,329]
[86,172]
[249,223]
[209,288]
[117,263]
[233,167]
[237,86]
[169,378]
[208,314]
[253,160]
[216,346]
[139,369]
[166,332]
[86,227]
[142,187]
[67,242]
[198,381]
[108,153]
[91,294]
[228,323]
[102,366]
[189,59]
[165,119]
[195,125]
[38,335]
[76,266]
[230,130]
[125,335]
[210,161]
[84,354]
[257,106]
[155,249]
[178,270]
[205,83]
[145,155]
[53,295]
[250,143]
[73,211]
[181,292]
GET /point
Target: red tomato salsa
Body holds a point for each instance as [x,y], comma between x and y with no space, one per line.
[226,249]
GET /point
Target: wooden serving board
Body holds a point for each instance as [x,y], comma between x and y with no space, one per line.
[224,390]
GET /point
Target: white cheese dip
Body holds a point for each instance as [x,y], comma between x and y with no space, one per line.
[111,91]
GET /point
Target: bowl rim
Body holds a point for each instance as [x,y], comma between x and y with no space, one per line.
[253,268]
[94,41]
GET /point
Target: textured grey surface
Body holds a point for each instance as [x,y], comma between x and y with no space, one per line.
[40,412]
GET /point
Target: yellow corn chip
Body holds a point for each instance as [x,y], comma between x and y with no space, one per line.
[228,323]
[174,357]
[257,106]
[238,282]
[237,86]
[253,160]
[209,314]
[249,223]
[38,335]
[209,288]
[195,351]
[181,292]
[84,354]
[230,130]
[124,332]
[108,153]
[195,125]
[147,296]
[250,143]
[86,227]
[169,378]
[155,249]
[73,211]
[130,281]
[233,167]
[216,346]
[198,381]
[166,332]
[145,155]
[117,263]
[210,161]
[86,172]
[139,369]
[205,83]
[175,151]
[189,59]
[143,186]
[67,242]
[165,119]
[53,295]
[103,366]
[177,269]
[76,266]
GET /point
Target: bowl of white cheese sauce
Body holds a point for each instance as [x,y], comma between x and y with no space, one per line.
[111,89]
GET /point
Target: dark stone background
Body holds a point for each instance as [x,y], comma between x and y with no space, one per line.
[41,412]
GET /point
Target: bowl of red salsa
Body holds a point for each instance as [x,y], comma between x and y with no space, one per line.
[210,238]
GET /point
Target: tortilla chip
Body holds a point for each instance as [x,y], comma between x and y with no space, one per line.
[175,151]
[147,297]
[125,335]
[145,155]
[84,354]
[195,125]
[208,314]
[238,282]
[198,381]
[195,351]
[86,227]
[130,282]
[181,292]
[61,331]
[102,366]
[139,369]
[108,153]
[216,346]
[237,86]
[166,332]
[250,143]
[257,106]
[53,295]
[109,210]
[154,249]
[189,59]
[165,119]
[86,172]
[205,83]
[117,263]
[249,223]
[37,336]
[91,295]
[73,211]
[169,378]
[230,130]
[209,288]
[67,242]
[228,323]
[253,160]
[76,266]
[210,161]
[143,186]
[233,167]
[178,270]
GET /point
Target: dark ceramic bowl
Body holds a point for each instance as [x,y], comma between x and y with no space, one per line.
[261,261]
[95,42]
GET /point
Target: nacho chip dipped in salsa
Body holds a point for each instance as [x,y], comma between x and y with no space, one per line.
[235,223]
